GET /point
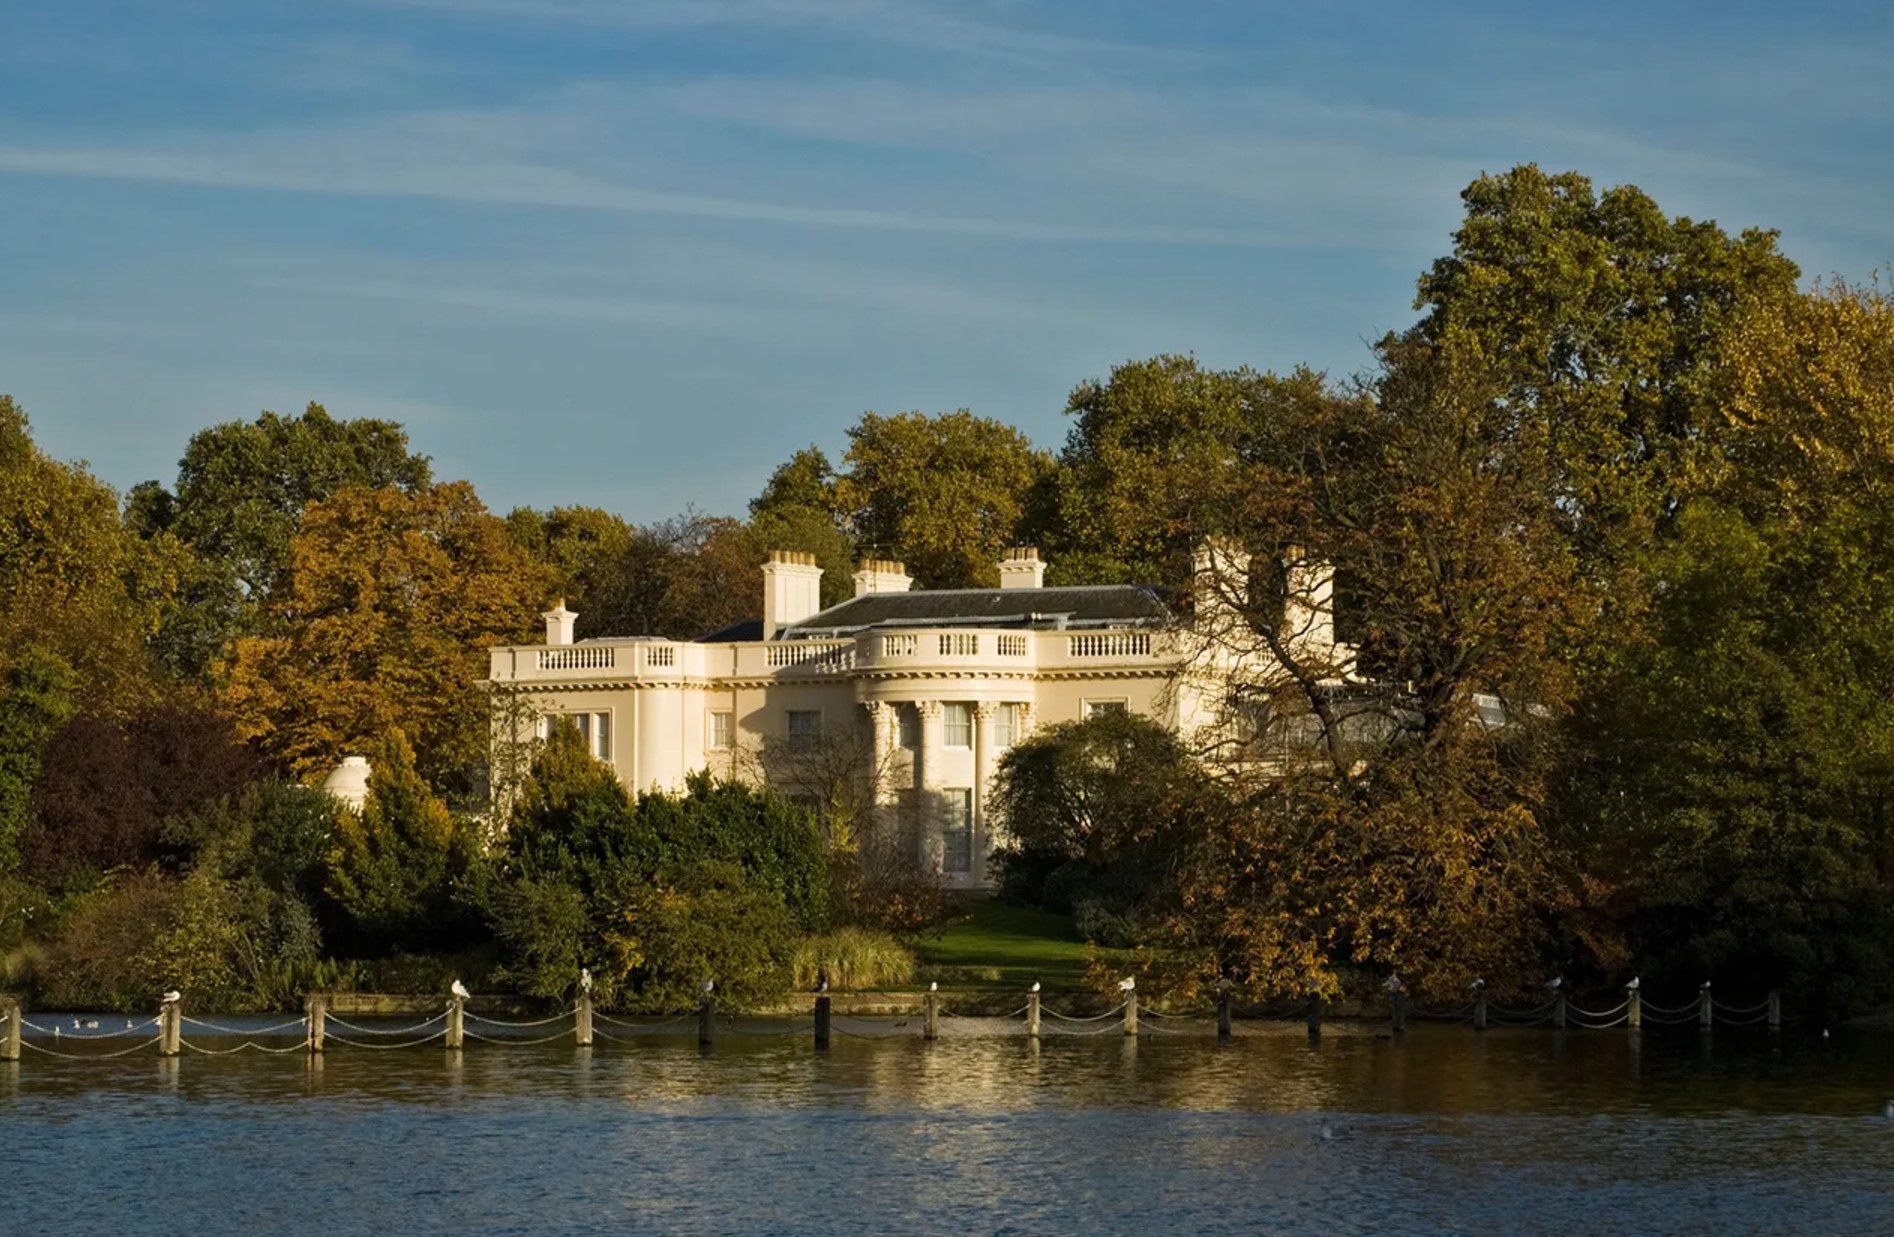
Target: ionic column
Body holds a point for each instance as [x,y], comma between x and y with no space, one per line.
[983,745]
[926,773]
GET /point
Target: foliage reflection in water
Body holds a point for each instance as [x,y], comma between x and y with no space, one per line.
[1441,1131]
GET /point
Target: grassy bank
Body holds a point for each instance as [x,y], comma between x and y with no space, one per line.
[992,945]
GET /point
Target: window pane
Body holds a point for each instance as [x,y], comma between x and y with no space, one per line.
[805,727]
[957,832]
[602,736]
[1003,725]
[957,725]
[909,719]
[719,730]
[1094,708]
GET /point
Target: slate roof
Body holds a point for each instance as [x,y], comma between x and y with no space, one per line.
[1096,605]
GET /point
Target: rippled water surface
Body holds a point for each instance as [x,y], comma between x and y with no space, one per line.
[1443,1130]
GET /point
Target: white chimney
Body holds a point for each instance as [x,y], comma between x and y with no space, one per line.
[881,575]
[1021,567]
[792,589]
[559,622]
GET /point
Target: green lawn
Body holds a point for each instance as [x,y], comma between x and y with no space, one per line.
[992,945]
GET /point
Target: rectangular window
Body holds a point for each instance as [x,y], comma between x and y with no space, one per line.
[956,832]
[594,728]
[1003,726]
[1094,708]
[721,729]
[908,726]
[957,724]
[805,727]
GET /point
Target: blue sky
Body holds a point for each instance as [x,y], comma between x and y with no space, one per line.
[634,252]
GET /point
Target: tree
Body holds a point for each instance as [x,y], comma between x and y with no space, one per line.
[242,490]
[945,494]
[73,582]
[1598,313]
[1152,452]
[394,866]
[1730,797]
[34,704]
[390,603]
[107,789]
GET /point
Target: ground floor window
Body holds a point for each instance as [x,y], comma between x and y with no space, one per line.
[805,727]
[956,831]
[1097,708]
[594,727]
[721,731]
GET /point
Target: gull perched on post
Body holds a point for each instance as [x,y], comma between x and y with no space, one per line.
[1035,986]
[1128,983]
[585,979]
[1552,985]
[710,986]
[1476,985]
[459,989]
[171,997]
[1634,985]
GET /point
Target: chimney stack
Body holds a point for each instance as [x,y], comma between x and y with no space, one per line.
[881,575]
[559,622]
[1021,567]
[792,590]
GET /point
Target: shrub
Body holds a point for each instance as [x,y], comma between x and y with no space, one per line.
[713,926]
[853,959]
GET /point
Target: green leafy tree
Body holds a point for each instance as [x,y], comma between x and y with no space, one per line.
[73,581]
[712,925]
[242,490]
[36,699]
[944,494]
[393,868]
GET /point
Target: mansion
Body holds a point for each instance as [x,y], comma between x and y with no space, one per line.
[930,687]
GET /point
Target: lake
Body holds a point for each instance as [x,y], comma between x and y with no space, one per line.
[1443,1130]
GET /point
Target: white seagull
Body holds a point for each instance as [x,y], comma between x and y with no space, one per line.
[585,979]
[1476,985]
[710,986]
[1035,986]
[822,984]
[1634,985]
[172,997]
[933,985]
[1553,984]
[1128,983]
[459,989]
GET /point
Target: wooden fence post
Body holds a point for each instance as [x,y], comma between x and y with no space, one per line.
[10,1039]
[1315,1016]
[1558,1009]
[1223,1010]
[1479,1004]
[170,1027]
[582,1021]
[1775,1010]
[1706,1010]
[1397,1009]
[316,1010]
[1032,1015]
[456,1022]
[930,1015]
[822,1012]
[1131,1012]
[707,1021]
[1634,1005]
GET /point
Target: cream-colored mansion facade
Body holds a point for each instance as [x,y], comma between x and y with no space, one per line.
[939,684]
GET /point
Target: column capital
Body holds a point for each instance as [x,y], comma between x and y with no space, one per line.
[928,709]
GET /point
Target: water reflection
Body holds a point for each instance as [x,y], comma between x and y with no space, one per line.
[1510,1131]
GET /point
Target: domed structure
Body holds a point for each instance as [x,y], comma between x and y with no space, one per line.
[348,783]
